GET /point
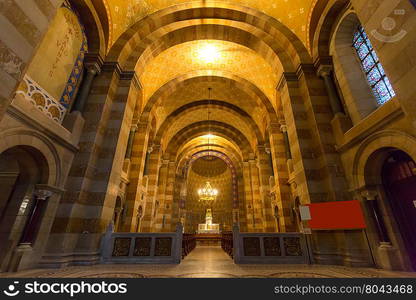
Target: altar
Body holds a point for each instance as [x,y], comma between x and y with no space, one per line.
[208,226]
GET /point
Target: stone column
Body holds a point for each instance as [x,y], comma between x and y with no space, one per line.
[130,141]
[281,190]
[249,204]
[265,172]
[257,203]
[152,185]
[40,198]
[92,70]
[158,221]
[376,216]
[341,123]
[283,129]
[325,72]
[135,189]
[94,179]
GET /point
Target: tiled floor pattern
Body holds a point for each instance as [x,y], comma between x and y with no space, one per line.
[208,262]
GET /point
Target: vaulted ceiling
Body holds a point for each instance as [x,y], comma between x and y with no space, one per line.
[295,14]
[209,68]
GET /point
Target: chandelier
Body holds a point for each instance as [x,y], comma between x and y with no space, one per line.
[207,193]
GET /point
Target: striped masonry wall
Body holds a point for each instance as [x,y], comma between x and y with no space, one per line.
[23,25]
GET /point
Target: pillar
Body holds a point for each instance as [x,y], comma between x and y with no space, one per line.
[159,220]
[257,201]
[92,69]
[135,189]
[340,122]
[130,142]
[94,179]
[265,172]
[152,185]
[249,204]
[280,150]
[40,198]
[325,72]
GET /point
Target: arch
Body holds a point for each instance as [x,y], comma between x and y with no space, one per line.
[355,89]
[217,128]
[207,10]
[381,140]
[324,18]
[192,107]
[191,149]
[241,83]
[33,139]
[228,162]
[93,25]
[23,168]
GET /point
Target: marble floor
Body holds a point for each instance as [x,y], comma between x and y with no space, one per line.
[208,262]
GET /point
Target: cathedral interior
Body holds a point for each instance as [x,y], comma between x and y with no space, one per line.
[134,129]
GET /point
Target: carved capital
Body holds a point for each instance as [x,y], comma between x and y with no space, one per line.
[43,194]
[324,70]
[93,63]
[369,194]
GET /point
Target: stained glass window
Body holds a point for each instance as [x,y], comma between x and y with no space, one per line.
[377,78]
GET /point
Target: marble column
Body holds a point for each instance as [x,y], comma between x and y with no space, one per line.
[283,129]
[92,70]
[325,72]
[40,198]
[375,214]
[130,142]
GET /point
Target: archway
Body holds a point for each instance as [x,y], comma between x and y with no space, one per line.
[213,169]
[22,169]
[399,181]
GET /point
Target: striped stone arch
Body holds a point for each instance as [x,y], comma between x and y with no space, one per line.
[195,145]
[322,20]
[93,17]
[202,128]
[134,41]
[14,138]
[387,139]
[212,104]
[206,75]
[234,157]
[212,29]
[229,163]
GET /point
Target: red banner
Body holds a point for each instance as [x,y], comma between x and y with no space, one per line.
[336,215]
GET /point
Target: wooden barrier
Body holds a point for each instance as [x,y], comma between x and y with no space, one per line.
[142,248]
[227,243]
[269,248]
[188,244]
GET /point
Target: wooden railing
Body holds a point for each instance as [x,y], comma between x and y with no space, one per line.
[227,243]
[269,248]
[141,248]
[188,244]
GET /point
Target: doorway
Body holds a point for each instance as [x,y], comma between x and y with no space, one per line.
[21,169]
[399,181]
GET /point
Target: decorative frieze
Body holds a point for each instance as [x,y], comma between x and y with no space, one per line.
[41,99]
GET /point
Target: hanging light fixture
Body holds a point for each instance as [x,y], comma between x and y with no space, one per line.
[209,122]
[208,193]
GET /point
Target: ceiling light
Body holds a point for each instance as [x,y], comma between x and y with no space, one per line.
[208,54]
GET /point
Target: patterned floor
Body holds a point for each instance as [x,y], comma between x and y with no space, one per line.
[208,262]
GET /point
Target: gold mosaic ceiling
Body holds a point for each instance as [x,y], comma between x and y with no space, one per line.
[294,14]
[249,76]
[212,56]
